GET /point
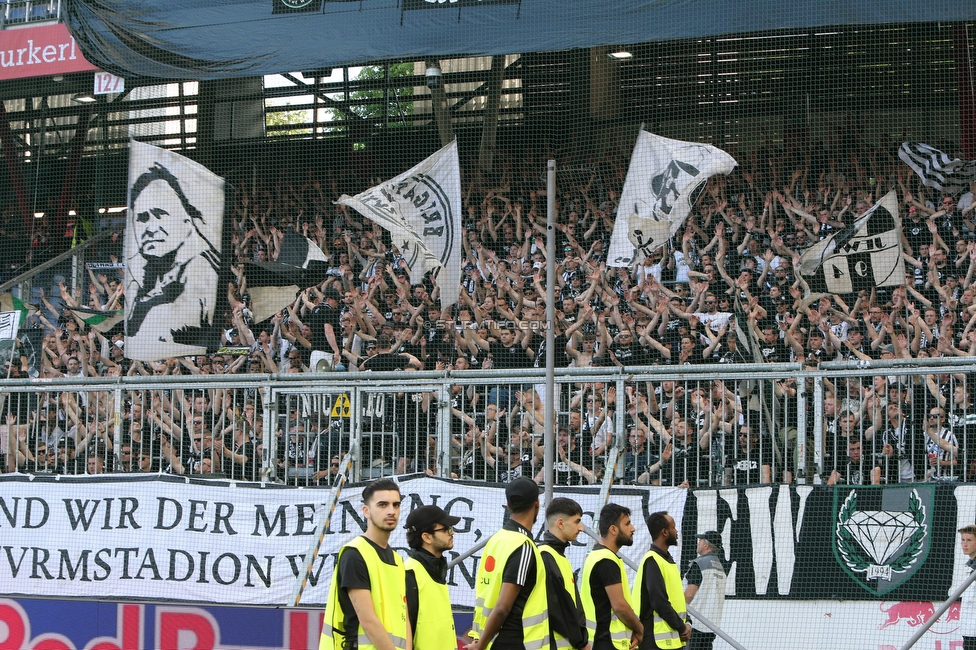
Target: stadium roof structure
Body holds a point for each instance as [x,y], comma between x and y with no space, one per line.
[188,39]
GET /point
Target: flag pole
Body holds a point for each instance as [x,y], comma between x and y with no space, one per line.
[550,413]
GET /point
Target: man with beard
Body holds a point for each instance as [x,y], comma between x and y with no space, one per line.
[610,618]
[430,532]
[566,618]
[511,611]
[658,593]
[367,605]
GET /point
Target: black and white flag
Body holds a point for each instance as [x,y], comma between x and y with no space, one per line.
[421,209]
[864,255]
[663,183]
[273,285]
[937,169]
[175,281]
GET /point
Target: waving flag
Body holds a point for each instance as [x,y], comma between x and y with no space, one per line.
[866,254]
[104,321]
[273,285]
[937,169]
[421,209]
[663,182]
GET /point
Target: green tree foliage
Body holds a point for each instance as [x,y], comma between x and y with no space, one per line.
[287,118]
[371,105]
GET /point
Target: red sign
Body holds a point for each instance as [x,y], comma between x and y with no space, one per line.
[39,51]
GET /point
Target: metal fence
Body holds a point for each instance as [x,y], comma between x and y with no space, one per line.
[688,425]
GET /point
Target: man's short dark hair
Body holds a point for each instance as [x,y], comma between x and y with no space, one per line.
[159,173]
[610,516]
[379,485]
[562,507]
[968,530]
[657,522]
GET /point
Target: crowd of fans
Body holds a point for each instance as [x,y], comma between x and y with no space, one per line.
[723,291]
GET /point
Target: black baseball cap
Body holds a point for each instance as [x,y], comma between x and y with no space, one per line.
[522,492]
[425,518]
[712,537]
[333,293]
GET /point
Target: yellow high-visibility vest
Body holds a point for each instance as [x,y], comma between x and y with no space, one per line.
[620,634]
[535,616]
[665,636]
[388,589]
[435,621]
[569,583]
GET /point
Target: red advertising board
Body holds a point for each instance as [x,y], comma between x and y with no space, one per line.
[39,51]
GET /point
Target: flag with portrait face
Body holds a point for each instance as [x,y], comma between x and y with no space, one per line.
[663,183]
[421,209]
[175,276]
[864,255]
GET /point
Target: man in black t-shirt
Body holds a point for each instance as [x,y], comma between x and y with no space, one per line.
[349,613]
[625,352]
[501,623]
[385,360]
[604,584]
[325,333]
[508,352]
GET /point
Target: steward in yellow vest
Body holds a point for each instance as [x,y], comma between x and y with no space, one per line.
[367,607]
[566,619]
[511,606]
[430,532]
[610,619]
[659,596]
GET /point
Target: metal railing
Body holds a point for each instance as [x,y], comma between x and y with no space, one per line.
[689,425]
[29,11]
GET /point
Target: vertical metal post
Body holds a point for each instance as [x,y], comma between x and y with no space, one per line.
[818,429]
[801,431]
[268,438]
[549,437]
[444,429]
[117,433]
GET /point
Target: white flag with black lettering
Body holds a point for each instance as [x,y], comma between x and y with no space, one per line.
[938,169]
[421,209]
[864,255]
[663,182]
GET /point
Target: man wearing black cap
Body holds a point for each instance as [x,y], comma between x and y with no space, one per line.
[706,586]
[566,618]
[325,328]
[430,532]
[511,608]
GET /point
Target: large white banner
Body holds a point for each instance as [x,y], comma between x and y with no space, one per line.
[421,209]
[164,539]
[664,180]
[173,260]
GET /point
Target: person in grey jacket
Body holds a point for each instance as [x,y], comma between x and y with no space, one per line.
[705,580]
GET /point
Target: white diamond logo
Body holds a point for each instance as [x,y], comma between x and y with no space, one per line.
[881,534]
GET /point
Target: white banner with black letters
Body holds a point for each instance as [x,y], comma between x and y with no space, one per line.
[421,209]
[164,539]
[664,180]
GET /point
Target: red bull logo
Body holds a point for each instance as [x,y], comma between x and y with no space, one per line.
[913,613]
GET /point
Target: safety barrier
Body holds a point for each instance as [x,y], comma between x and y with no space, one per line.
[698,426]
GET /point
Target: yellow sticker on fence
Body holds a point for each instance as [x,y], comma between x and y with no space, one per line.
[342,407]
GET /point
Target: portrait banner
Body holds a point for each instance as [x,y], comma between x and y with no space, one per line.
[173,255]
